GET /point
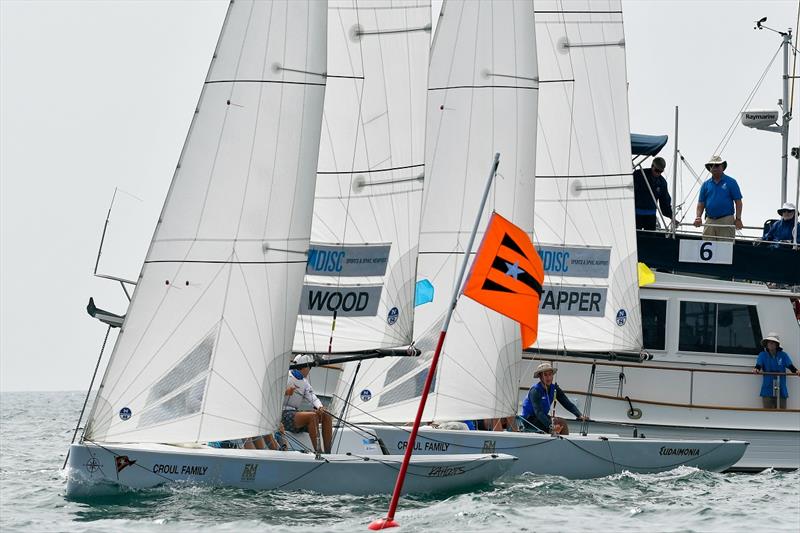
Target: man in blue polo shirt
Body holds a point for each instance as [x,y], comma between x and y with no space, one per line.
[721,199]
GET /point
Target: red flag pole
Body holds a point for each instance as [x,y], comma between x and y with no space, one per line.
[385,523]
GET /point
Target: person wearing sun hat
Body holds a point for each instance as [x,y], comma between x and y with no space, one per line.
[649,187]
[721,200]
[774,360]
[785,229]
[537,404]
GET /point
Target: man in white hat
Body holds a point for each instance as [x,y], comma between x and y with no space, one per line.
[299,389]
[536,405]
[774,361]
[785,229]
[721,200]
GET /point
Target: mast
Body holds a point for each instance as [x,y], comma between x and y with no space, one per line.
[675,175]
[787,113]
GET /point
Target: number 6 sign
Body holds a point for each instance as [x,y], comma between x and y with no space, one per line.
[714,252]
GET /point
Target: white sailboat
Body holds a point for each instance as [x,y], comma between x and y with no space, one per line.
[204,347]
[492,94]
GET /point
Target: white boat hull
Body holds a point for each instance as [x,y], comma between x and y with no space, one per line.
[110,468]
[574,456]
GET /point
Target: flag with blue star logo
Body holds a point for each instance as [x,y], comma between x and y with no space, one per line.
[507,276]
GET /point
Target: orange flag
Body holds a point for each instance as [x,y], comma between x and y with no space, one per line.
[507,276]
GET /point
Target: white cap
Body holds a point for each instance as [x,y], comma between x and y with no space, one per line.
[303,359]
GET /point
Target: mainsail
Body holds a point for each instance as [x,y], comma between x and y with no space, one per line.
[204,347]
[482,97]
[363,255]
[585,230]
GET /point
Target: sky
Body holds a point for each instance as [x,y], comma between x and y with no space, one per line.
[97,96]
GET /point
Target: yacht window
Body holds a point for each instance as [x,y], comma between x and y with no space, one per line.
[738,330]
[719,328]
[698,327]
[654,322]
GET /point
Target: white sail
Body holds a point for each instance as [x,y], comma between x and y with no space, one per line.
[585,229]
[362,261]
[482,97]
[203,351]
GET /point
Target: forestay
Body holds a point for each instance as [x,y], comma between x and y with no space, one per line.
[203,351]
[585,228]
[482,93]
[362,261]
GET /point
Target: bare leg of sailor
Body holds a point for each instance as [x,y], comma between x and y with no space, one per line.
[561,426]
[327,430]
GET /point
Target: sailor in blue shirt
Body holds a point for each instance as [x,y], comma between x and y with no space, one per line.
[721,200]
[774,360]
[783,229]
[536,405]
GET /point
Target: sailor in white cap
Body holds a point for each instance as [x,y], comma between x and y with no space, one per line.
[299,389]
[786,229]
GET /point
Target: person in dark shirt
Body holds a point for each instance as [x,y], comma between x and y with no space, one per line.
[649,187]
[537,404]
[775,361]
[784,229]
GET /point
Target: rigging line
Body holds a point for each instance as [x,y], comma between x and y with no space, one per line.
[88,393]
[370,171]
[301,476]
[735,122]
[222,262]
[278,67]
[794,59]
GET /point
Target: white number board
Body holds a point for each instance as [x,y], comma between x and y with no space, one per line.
[718,253]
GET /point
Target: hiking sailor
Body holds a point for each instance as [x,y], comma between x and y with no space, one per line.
[537,404]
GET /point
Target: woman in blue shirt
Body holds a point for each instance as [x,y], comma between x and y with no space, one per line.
[774,361]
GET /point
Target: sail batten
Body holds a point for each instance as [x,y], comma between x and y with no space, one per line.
[204,346]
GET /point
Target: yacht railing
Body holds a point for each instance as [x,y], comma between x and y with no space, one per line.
[692,385]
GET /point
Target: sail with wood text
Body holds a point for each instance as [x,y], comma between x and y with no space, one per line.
[362,261]
[482,98]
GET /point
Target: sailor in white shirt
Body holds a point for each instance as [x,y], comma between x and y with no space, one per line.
[298,389]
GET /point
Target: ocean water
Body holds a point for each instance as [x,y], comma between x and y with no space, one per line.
[36,427]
